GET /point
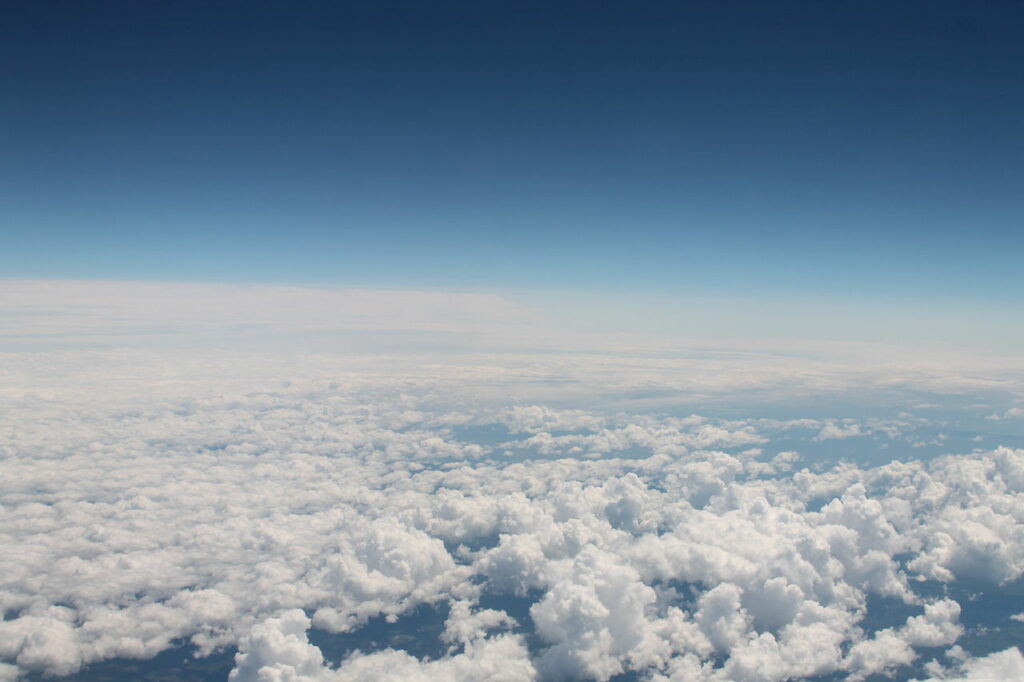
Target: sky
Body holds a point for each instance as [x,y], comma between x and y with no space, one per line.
[519,341]
[865,150]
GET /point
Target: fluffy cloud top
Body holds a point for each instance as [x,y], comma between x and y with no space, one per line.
[1001,666]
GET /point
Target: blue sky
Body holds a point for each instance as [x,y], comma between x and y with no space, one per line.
[861,149]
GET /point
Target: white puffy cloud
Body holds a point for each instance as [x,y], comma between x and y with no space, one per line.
[1001,666]
[501,659]
[893,647]
[278,650]
[596,615]
[1012,413]
[382,567]
[833,431]
[466,624]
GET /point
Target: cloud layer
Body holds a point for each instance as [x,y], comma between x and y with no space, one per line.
[241,514]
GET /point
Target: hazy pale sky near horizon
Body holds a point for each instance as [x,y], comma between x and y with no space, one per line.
[861,149]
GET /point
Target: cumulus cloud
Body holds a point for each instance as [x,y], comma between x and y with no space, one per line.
[243,512]
[834,431]
[278,650]
[1012,413]
[892,647]
[502,659]
[1000,666]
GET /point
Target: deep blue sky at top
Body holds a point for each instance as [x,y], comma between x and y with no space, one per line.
[856,147]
